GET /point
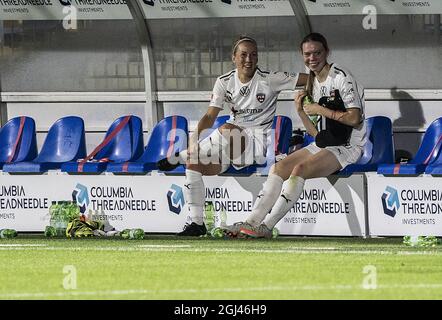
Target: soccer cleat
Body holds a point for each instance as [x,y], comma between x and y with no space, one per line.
[233,231]
[193,230]
[165,165]
[260,231]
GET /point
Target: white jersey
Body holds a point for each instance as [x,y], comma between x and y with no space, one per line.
[352,95]
[252,104]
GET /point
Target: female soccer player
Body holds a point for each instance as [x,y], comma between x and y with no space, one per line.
[250,93]
[331,85]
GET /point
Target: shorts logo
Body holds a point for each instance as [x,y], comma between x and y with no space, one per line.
[390,201]
[175,199]
[245,91]
[260,97]
[149,2]
[65,2]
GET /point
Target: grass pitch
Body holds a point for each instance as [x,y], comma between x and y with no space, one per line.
[166,267]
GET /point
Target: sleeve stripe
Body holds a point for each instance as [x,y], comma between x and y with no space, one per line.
[228,75]
[341,71]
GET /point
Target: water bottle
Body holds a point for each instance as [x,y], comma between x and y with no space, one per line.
[62,212]
[132,234]
[209,215]
[50,232]
[420,241]
[217,232]
[275,232]
[313,118]
[223,219]
[8,233]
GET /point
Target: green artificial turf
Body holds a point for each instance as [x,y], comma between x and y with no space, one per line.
[166,267]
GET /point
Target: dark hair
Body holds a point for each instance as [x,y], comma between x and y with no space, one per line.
[317,37]
[243,38]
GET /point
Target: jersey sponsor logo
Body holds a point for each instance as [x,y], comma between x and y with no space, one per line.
[323,91]
[249,111]
[260,97]
[244,91]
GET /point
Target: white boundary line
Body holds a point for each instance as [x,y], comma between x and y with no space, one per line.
[188,248]
[73,293]
[22,245]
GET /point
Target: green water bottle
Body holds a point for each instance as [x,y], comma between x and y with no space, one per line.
[420,241]
[275,232]
[8,233]
[50,232]
[217,232]
[209,215]
[132,234]
[223,219]
[306,101]
[136,234]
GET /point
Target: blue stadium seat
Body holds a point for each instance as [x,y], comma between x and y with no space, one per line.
[380,134]
[282,127]
[169,136]
[14,148]
[283,132]
[219,121]
[126,145]
[435,166]
[64,142]
[426,154]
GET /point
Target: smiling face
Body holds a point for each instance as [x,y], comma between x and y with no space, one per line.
[315,55]
[245,59]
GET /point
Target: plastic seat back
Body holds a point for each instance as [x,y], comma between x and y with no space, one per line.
[64,142]
[169,136]
[426,154]
[282,127]
[379,148]
[219,121]
[430,145]
[26,149]
[380,134]
[127,144]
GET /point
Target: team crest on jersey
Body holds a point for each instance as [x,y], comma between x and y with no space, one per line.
[244,91]
[260,97]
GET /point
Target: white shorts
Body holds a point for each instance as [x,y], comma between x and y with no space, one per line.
[345,155]
[254,153]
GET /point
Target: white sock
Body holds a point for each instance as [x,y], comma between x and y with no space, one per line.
[289,195]
[194,195]
[266,199]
